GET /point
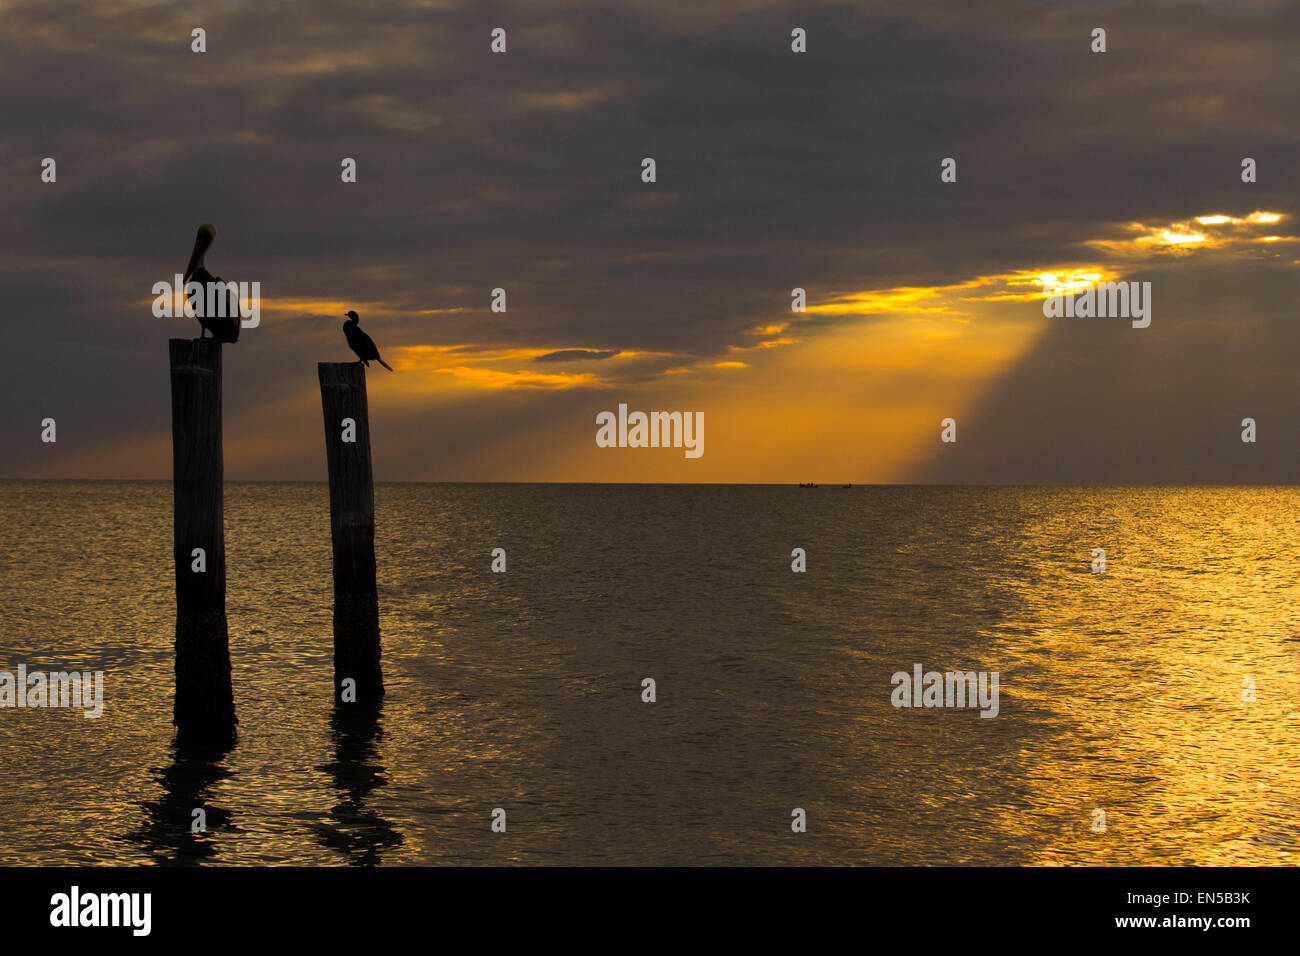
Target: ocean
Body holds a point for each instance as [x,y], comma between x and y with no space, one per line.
[1161,692]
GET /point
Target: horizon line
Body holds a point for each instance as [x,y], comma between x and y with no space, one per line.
[841,485]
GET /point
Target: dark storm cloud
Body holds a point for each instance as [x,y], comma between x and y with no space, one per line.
[522,171]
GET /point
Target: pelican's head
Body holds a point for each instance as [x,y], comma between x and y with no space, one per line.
[353,316]
[206,234]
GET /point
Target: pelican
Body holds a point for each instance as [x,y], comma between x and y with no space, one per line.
[224,328]
[361,343]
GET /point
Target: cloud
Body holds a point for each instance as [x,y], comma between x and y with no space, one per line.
[493,378]
[521,171]
[575,355]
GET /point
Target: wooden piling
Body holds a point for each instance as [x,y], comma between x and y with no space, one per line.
[352,521]
[204,707]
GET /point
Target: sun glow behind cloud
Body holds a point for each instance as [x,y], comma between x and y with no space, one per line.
[1213,231]
[863,396]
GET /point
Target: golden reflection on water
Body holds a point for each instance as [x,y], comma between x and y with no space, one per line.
[1141,672]
[1120,692]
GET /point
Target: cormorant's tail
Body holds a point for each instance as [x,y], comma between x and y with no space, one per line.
[383,363]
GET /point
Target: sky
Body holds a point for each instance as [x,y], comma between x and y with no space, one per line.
[775,170]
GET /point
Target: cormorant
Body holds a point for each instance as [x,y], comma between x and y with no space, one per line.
[361,343]
[224,328]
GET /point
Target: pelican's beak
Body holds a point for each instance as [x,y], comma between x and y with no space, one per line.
[201,243]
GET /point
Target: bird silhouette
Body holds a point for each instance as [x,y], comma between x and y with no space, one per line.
[224,328]
[361,343]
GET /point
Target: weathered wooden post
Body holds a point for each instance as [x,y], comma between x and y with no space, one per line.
[204,708]
[352,521]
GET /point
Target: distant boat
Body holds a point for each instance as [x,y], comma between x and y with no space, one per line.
[846,486]
[809,484]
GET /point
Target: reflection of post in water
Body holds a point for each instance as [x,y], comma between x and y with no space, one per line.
[167,832]
[357,832]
